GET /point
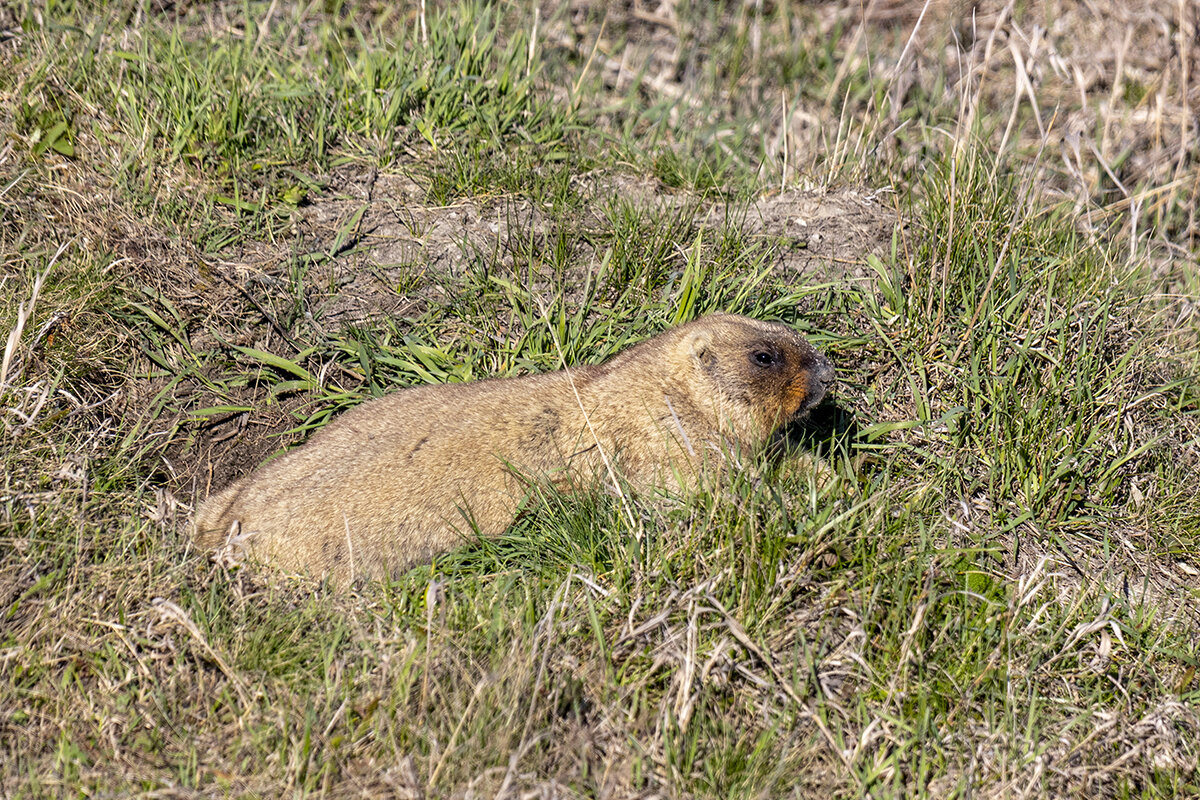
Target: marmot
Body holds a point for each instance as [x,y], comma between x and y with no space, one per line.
[399,479]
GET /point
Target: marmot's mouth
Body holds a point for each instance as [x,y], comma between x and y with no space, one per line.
[797,398]
[807,391]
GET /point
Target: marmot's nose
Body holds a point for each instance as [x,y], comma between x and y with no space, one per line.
[824,372]
[820,380]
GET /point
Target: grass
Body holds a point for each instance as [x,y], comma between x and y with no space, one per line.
[974,575]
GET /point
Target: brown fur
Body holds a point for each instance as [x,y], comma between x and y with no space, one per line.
[400,479]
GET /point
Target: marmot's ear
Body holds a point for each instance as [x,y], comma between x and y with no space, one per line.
[698,345]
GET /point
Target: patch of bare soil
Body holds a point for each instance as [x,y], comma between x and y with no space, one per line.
[385,253]
[215,452]
[833,231]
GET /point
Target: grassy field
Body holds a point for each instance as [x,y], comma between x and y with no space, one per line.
[974,574]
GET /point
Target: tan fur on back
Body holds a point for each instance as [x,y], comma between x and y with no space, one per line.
[400,479]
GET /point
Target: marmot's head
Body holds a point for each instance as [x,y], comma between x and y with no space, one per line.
[755,375]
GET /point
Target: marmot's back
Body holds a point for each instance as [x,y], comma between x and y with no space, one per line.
[399,479]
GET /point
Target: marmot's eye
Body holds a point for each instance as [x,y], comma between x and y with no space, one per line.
[763,358]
